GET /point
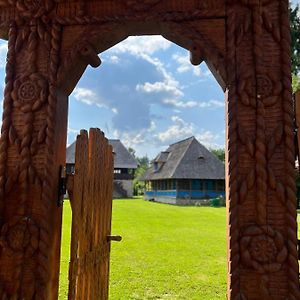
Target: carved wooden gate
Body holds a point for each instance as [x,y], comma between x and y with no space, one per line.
[246,44]
[90,190]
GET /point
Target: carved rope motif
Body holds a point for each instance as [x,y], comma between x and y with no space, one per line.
[141,4]
[28,94]
[290,189]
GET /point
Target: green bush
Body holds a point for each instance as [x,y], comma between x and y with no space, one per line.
[217,202]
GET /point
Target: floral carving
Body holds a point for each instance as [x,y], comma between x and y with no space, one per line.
[30,92]
[264,85]
[267,88]
[263,249]
[20,237]
[141,4]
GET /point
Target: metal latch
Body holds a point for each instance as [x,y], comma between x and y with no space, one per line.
[116,238]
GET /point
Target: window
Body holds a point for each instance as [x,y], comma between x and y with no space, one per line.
[183,184]
[220,185]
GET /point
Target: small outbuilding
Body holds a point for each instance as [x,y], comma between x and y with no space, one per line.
[186,173]
[124,168]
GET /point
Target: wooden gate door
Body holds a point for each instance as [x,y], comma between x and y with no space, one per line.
[90,190]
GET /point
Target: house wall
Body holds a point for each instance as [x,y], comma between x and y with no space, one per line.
[122,185]
[123,189]
[188,192]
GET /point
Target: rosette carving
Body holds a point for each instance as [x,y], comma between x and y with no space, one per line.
[30,92]
[141,4]
[263,249]
[20,238]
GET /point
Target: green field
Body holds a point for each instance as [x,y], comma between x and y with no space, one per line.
[167,252]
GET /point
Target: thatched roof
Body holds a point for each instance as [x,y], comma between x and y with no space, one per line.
[187,159]
[122,158]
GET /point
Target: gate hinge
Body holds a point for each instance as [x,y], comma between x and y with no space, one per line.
[61,185]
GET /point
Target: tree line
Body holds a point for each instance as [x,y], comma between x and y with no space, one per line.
[295,45]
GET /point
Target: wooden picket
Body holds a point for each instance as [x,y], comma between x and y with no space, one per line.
[90,192]
[297,117]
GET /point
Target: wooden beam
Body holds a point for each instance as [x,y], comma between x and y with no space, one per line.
[7,14]
[107,9]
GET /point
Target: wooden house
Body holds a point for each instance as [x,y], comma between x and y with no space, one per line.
[186,173]
[124,168]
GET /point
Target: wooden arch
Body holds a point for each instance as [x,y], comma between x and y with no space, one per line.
[95,39]
[247,46]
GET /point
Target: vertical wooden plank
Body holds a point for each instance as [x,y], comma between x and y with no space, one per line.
[297,113]
[76,205]
[100,216]
[81,251]
[95,178]
[91,209]
[105,216]
[100,213]
[108,212]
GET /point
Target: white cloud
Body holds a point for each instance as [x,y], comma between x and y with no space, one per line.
[184,65]
[145,47]
[176,132]
[169,87]
[180,104]
[130,139]
[211,103]
[88,97]
[182,129]
[137,138]
[84,95]
[142,45]
[115,110]
[113,59]
[208,139]
[191,104]
[3,53]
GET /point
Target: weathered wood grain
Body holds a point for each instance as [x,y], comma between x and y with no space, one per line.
[91,217]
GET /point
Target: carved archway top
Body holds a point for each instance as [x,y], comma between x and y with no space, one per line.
[95,12]
[85,48]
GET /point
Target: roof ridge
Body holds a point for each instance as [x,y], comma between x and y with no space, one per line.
[191,137]
[183,154]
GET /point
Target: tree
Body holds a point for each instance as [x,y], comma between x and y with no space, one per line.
[296,83]
[295,45]
[295,35]
[219,153]
[131,151]
[143,165]
[138,185]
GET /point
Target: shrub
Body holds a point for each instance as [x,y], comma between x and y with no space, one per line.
[217,202]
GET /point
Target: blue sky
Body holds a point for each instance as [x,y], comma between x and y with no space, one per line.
[146,93]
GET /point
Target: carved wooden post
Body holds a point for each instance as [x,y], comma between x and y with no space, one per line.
[32,149]
[261,195]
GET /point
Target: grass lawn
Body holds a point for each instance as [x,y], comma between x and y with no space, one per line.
[167,252]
